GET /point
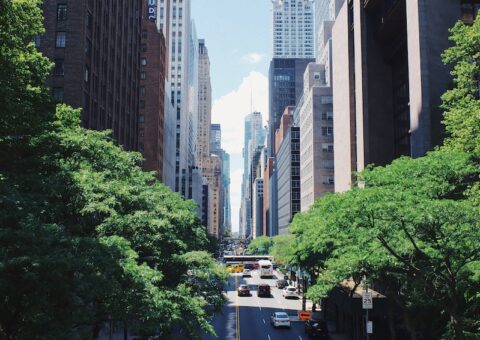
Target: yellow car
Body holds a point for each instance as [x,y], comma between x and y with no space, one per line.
[238,268]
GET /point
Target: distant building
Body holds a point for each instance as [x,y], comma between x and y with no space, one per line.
[215,139]
[227,221]
[293,29]
[388,80]
[287,170]
[285,89]
[103,81]
[315,114]
[257,208]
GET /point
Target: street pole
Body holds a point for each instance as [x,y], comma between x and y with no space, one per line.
[366,323]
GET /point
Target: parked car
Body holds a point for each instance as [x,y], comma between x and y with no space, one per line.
[248,266]
[316,327]
[246,273]
[290,292]
[281,284]
[263,290]
[243,290]
[280,319]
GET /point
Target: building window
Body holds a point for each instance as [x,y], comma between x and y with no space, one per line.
[143,75]
[141,118]
[328,180]
[143,61]
[327,131]
[60,39]
[142,104]
[142,91]
[57,94]
[328,164]
[61,12]
[327,147]
[87,74]
[59,69]
[326,99]
[327,116]
[141,132]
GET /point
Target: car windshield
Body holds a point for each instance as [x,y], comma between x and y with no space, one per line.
[282,316]
[243,286]
[266,267]
[291,289]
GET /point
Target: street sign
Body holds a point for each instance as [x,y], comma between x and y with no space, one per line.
[370,327]
[367,300]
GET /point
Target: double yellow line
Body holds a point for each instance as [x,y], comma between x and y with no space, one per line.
[237,310]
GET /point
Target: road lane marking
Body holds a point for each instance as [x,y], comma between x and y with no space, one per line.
[237,310]
[259,305]
[300,337]
[264,321]
[268,336]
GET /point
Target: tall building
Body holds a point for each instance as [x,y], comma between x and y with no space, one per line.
[96,50]
[287,152]
[285,89]
[315,115]
[253,138]
[293,29]
[152,93]
[227,222]
[388,80]
[215,139]
[257,208]
[204,105]
[173,19]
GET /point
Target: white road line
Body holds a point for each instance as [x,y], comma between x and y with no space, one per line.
[268,336]
[300,337]
[259,305]
[264,321]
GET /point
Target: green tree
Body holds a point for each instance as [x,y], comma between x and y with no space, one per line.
[260,246]
[86,237]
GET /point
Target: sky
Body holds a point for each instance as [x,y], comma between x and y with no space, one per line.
[238,35]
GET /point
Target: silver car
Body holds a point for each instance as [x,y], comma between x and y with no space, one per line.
[280,319]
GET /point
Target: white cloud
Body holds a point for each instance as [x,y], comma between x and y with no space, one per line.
[230,111]
[253,58]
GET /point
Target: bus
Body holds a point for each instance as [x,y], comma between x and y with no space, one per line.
[265,268]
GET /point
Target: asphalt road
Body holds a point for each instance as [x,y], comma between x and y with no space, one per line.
[248,318]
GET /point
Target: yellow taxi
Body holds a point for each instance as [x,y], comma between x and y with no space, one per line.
[236,268]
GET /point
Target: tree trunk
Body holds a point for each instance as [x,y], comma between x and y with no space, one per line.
[409,326]
[97,328]
[314,307]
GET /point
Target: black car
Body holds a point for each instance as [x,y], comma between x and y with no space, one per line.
[316,327]
[281,284]
[263,290]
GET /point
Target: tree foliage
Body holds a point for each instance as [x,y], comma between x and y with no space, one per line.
[86,237]
[259,246]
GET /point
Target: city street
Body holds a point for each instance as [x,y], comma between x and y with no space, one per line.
[249,317]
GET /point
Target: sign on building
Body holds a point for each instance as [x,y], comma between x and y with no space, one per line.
[152,10]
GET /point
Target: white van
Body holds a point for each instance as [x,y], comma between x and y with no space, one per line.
[265,268]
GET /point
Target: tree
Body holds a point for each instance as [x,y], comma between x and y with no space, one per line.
[260,246]
[86,237]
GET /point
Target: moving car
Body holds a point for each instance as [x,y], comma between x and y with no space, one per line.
[263,290]
[281,284]
[280,319]
[246,272]
[290,292]
[316,327]
[243,290]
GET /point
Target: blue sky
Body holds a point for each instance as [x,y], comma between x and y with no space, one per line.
[238,37]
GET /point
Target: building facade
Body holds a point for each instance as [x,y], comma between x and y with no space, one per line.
[285,89]
[151,119]
[293,29]
[388,80]
[96,68]
[173,19]
[257,208]
[288,171]
[316,125]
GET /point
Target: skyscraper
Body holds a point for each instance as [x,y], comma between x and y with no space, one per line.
[227,220]
[173,19]
[388,80]
[204,104]
[293,29]
[215,139]
[96,68]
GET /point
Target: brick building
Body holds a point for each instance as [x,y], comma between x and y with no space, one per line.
[95,46]
[152,92]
